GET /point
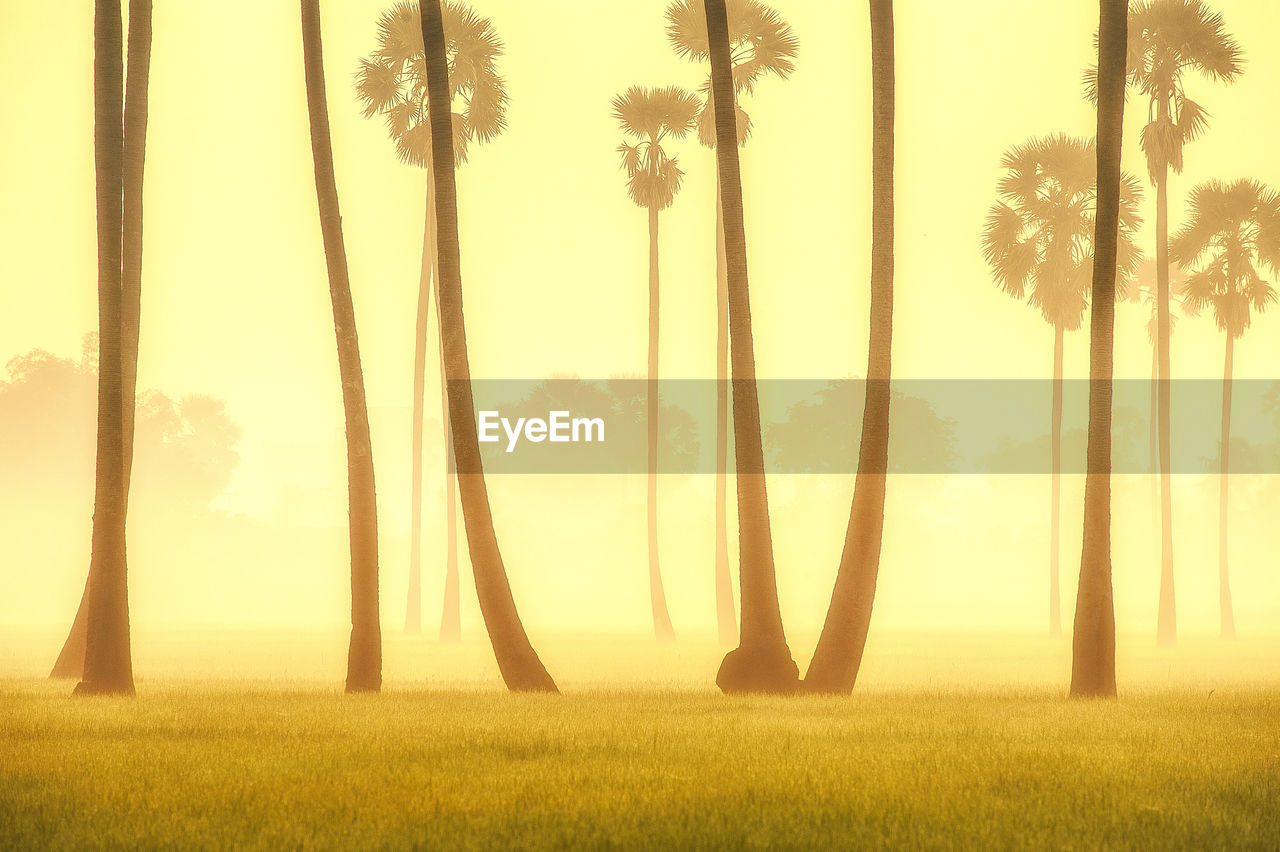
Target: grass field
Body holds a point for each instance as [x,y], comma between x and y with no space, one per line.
[650,757]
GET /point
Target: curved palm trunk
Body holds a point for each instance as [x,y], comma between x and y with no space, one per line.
[70,662]
[1166,617]
[1055,488]
[1093,659]
[657,596]
[521,669]
[451,611]
[413,607]
[364,657]
[726,618]
[1224,580]
[762,661]
[838,656]
[108,666]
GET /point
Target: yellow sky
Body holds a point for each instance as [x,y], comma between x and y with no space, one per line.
[235,296]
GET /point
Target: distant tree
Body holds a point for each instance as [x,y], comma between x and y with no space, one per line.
[364,656]
[761,43]
[1093,652]
[392,83]
[762,661]
[108,664]
[648,118]
[521,668]
[1232,234]
[838,655]
[1038,241]
[70,662]
[1167,39]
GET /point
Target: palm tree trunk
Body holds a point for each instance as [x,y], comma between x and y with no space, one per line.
[519,663]
[413,607]
[108,666]
[70,662]
[657,596]
[451,610]
[364,657]
[1224,580]
[838,656]
[1093,659]
[1055,488]
[1166,618]
[726,618]
[762,661]
[1153,440]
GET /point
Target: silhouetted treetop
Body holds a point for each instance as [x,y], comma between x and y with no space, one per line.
[649,116]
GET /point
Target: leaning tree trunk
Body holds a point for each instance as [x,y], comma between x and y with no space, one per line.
[762,661]
[836,660]
[364,657]
[726,618]
[657,596]
[70,662]
[1093,659]
[520,666]
[108,665]
[1224,580]
[1166,617]
[451,611]
[413,606]
[1055,487]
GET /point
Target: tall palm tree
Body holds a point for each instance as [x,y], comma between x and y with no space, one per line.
[1232,233]
[762,661]
[1093,651]
[521,669]
[391,82]
[364,657]
[1038,241]
[838,655]
[648,118]
[1167,39]
[70,662]
[108,664]
[761,43]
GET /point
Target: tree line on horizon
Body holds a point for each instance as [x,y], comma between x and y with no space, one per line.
[1062,235]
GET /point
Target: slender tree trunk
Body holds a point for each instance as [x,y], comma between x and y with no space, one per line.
[657,596]
[726,617]
[519,663]
[1153,442]
[1166,619]
[364,658]
[838,656]
[1093,659]
[1055,488]
[451,610]
[108,666]
[70,662]
[1224,580]
[413,607]
[762,661]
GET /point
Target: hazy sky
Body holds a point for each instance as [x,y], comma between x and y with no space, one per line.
[235,294]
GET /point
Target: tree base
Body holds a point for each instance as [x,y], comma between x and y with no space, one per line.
[766,669]
[121,690]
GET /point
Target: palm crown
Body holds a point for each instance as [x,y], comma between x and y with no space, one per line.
[648,117]
[1233,230]
[760,43]
[1040,235]
[392,81]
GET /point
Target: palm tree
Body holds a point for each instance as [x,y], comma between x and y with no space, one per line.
[648,118]
[391,82]
[70,662]
[1093,657]
[762,661]
[838,655]
[761,43]
[1233,229]
[521,669]
[108,664]
[1168,38]
[364,657]
[1038,241]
